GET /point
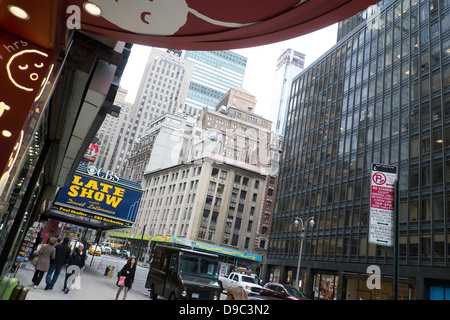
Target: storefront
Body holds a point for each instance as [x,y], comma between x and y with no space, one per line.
[325,286]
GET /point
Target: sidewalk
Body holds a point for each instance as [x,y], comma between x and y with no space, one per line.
[94,286]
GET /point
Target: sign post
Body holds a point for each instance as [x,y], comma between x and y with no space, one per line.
[383,221]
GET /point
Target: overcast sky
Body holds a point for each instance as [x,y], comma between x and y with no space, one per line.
[261,63]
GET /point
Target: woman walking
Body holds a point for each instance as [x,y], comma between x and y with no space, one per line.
[45,253]
[74,259]
[126,277]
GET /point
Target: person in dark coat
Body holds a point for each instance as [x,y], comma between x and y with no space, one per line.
[62,253]
[128,271]
[45,253]
[75,259]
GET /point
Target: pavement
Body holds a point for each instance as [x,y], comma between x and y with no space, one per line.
[94,285]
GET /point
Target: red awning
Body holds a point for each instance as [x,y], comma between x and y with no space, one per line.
[211,25]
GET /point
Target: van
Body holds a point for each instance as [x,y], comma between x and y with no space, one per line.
[177,273]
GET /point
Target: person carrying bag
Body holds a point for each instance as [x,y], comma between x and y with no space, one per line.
[126,278]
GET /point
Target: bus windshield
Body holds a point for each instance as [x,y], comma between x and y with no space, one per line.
[198,266]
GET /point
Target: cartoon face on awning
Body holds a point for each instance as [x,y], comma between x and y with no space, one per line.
[27,68]
[156,17]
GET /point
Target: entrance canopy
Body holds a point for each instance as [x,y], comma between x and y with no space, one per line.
[98,199]
[176,24]
[211,25]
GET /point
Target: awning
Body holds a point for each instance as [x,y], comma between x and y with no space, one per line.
[208,25]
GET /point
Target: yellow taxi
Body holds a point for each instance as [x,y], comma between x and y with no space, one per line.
[95,250]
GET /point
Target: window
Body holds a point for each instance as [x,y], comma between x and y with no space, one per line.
[205,215]
[229,221]
[201,232]
[234,241]
[237,224]
[223,174]
[237,179]
[214,172]
[214,216]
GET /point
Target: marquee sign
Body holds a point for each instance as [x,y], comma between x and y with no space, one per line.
[99,198]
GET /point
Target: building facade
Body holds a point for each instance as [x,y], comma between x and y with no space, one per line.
[380,95]
[289,65]
[205,200]
[162,146]
[215,72]
[163,89]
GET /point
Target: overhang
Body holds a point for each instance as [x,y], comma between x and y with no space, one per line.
[210,25]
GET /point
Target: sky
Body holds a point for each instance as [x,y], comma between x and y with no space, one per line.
[261,63]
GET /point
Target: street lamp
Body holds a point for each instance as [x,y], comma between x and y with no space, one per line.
[311,223]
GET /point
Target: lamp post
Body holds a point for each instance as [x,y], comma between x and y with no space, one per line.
[311,223]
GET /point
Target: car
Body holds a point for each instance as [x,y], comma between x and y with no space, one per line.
[95,250]
[282,291]
[125,254]
[107,250]
[246,282]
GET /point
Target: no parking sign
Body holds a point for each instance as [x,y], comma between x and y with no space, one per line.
[382,204]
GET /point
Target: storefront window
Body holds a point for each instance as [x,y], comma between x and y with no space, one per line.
[325,286]
[405,292]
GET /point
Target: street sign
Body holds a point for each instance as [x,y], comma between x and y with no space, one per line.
[382,204]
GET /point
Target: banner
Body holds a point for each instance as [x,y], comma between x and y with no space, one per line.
[100,198]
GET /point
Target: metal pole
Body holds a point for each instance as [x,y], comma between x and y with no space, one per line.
[396,244]
[302,236]
[140,243]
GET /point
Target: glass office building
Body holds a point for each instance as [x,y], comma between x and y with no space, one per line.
[380,95]
[215,73]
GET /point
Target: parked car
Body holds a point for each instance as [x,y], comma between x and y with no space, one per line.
[107,250]
[248,283]
[125,254]
[281,291]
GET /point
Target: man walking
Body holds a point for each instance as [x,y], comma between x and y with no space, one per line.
[62,253]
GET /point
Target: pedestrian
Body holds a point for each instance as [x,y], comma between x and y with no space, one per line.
[128,271]
[74,259]
[236,293]
[45,253]
[82,251]
[62,253]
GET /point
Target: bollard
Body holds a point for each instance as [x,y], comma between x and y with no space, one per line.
[107,271]
[111,272]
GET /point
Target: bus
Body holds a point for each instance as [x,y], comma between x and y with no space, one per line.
[177,273]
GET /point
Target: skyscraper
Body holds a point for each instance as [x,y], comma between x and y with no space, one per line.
[163,89]
[380,95]
[215,73]
[289,64]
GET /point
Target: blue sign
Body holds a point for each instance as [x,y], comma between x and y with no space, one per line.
[102,197]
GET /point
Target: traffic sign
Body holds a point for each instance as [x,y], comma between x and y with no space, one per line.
[382,204]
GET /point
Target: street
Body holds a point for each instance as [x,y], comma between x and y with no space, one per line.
[94,284]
